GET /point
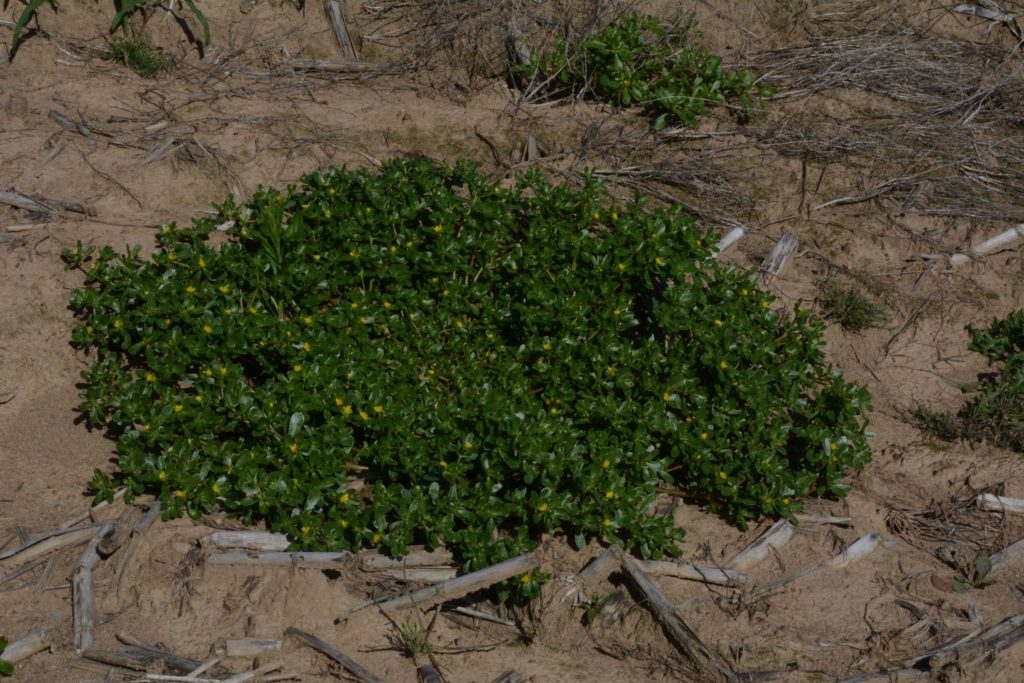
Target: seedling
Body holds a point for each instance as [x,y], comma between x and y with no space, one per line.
[982,567]
[6,668]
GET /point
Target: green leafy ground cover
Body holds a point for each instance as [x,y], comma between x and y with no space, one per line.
[996,412]
[418,355]
[640,60]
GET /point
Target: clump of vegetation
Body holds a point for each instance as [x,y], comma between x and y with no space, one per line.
[849,307]
[137,55]
[6,668]
[125,9]
[996,413]
[638,60]
[419,355]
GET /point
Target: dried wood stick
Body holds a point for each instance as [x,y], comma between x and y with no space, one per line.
[32,203]
[692,572]
[345,66]
[139,658]
[889,676]
[41,544]
[83,608]
[1000,241]
[598,570]
[272,559]
[337,19]
[414,558]
[159,150]
[248,540]
[36,641]
[120,531]
[778,257]
[684,637]
[775,537]
[169,678]
[89,514]
[980,644]
[422,574]
[824,519]
[729,239]
[860,548]
[152,514]
[509,677]
[335,654]
[250,647]
[989,501]
[205,666]
[486,616]
[463,585]
[1011,554]
[249,675]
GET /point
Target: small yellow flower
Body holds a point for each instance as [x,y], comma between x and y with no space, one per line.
[305,530]
[743,292]
[88,329]
[438,229]
[785,501]
[343,523]
[621,266]
[369,210]
[202,262]
[316,257]
[723,364]
[444,293]
[252,309]
[353,253]
[308,320]
[615,216]
[150,377]
[170,256]
[177,408]
[223,371]
[297,367]
[617,311]
[338,401]
[392,249]
[224,289]
[703,436]
[666,396]
[190,289]
[215,489]
[164,230]
[765,304]
[468,445]
[362,414]
[609,494]
[207,329]
[526,578]
[543,507]
[330,191]
[607,522]
[294,448]
[354,306]
[378,409]
[376,539]
[610,370]
[658,261]
[606,464]
[718,323]
[347,410]
[408,245]
[387,305]
[723,475]
[208,372]
[443,464]
[199,398]
[327,213]
[554,411]
[179,494]
[162,475]
[117,324]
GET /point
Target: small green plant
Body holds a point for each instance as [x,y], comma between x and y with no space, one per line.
[996,413]
[137,55]
[849,307]
[419,355]
[413,639]
[123,10]
[6,668]
[638,60]
[982,567]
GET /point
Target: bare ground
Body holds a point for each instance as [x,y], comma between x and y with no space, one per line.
[861,118]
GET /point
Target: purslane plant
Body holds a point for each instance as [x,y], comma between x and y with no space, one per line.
[640,60]
[418,355]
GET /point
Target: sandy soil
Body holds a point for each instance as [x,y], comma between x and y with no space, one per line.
[236,119]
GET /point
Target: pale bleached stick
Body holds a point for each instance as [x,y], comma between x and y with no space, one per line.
[247,540]
[937,658]
[36,641]
[730,238]
[339,66]
[250,647]
[693,572]
[120,531]
[824,519]
[775,537]
[271,559]
[88,514]
[1000,241]
[83,608]
[1009,555]
[778,257]
[994,503]
[463,585]
[414,558]
[598,570]
[860,548]
[337,19]
[423,574]
[44,543]
[337,655]
[204,667]
[684,637]
[249,675]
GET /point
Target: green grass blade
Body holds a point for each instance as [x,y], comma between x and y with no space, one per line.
[126,8]
[30,10]
[202,20]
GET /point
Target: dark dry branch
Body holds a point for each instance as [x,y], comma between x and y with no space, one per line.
[954,531]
